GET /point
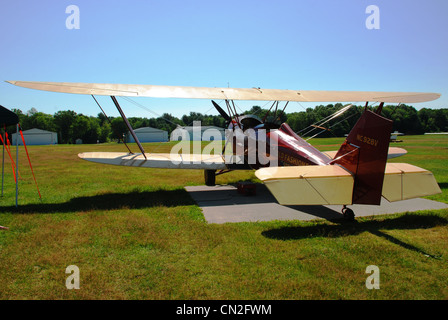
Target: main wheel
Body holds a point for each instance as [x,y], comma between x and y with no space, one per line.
[210,178]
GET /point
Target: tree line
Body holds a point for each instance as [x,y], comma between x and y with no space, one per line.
[71,126]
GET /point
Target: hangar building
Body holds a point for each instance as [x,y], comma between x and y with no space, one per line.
[206,133]
[36,137]
[148,134]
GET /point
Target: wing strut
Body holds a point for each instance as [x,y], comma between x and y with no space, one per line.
[380,108]
[122,140]
[128,125]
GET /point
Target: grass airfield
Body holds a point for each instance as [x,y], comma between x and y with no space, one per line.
[136,234]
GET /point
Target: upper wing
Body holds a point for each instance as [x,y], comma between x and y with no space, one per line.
[227,93]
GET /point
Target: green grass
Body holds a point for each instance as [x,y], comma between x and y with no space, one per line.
[136,234]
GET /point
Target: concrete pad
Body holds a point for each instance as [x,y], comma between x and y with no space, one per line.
[222,203]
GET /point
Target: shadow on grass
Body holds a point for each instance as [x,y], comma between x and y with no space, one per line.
[344,228]
[443,185]
[110,201]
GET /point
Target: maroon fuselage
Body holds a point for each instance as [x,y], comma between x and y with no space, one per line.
[291,150]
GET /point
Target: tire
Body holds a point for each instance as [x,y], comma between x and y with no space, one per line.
[349,215]
[210,178]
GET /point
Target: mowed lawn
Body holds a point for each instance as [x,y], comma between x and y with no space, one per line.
[136,234]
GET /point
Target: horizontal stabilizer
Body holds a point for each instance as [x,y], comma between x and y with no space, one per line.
[403,181]
[308,185]
[157,160]
[393,152]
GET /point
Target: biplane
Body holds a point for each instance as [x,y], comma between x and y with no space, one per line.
[294,171]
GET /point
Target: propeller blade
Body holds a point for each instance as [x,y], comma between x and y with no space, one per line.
[222,112]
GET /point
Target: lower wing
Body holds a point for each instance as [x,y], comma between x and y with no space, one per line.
[157,160]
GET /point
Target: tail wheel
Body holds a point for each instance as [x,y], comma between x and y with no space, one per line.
[348,214]
[210,178]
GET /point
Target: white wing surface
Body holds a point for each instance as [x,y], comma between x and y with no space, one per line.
[157,160]
[155,91]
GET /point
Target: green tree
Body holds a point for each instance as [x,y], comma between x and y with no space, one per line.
[118,128]
[105,132]
[42,121]
[63,120]
[405,119]
[85,128]
[441,119]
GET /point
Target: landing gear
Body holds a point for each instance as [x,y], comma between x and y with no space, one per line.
[348,213]
[210,178]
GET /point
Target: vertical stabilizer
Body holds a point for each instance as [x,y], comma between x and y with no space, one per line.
[364,154]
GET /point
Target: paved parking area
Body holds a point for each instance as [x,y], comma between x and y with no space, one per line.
[222,203]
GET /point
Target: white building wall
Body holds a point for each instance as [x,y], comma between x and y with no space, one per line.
[148,135]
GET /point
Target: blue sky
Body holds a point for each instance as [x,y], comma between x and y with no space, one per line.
[304,45]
